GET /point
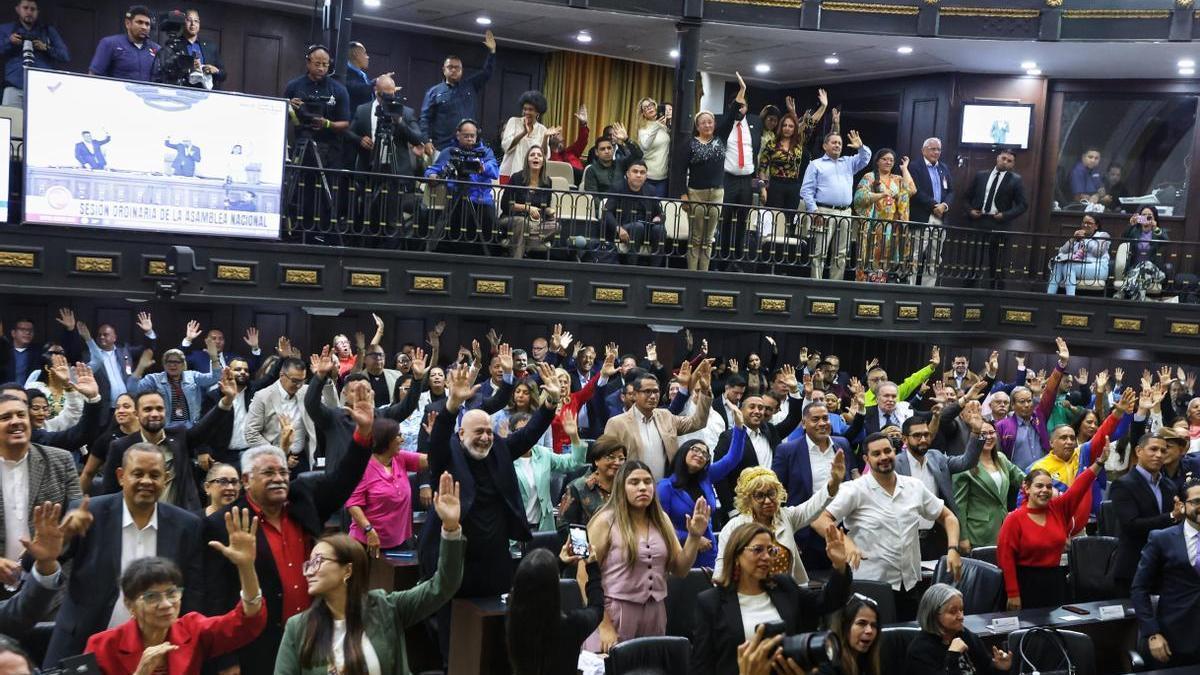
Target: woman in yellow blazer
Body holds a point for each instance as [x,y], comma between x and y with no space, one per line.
[983,492]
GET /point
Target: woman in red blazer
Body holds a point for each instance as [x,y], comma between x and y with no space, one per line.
[157,641]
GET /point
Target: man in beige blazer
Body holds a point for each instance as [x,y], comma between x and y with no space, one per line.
[286,397]
[650,433]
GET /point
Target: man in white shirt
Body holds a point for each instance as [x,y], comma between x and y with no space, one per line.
[281,401]
[882,512]
[741,149]
[114,359]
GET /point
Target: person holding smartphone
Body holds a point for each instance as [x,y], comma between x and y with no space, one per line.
[541,637]
[1143,266]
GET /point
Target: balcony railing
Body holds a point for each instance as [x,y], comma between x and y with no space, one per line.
[384,211]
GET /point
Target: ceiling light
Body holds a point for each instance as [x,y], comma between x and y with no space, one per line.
[1187,71]
[1186,63]
[762,68]
[1033,71]
[905,49]
[483,21]
[674,53]
[1028,65]
[583,36]
[372,3]
[832,60]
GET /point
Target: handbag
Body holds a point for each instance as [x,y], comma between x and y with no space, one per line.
[1064,666]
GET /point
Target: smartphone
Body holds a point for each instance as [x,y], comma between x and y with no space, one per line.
[579,541]
[1076,610]
[1142,220]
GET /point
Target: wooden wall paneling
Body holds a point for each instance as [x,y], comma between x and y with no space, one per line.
[79,26]
[271,326]
[261,65]
[924,123]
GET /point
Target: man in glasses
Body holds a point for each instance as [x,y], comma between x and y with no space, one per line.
[935,469]
[121,528]
[281,406]
[1144,501]
[1170,631]
[291,516]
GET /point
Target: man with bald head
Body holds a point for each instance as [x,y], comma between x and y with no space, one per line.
[482,463]
[369,124]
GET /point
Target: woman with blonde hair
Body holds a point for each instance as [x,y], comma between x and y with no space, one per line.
[636,546]
[654,137]
[759,498]
[750,593]
[705,160]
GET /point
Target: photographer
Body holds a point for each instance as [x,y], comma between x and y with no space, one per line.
[467,160]
[47,50]
[386,112]
[320,106]
[128,55]
[185,59]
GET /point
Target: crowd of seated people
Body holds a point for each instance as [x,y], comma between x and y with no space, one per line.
[760,194]
[205,534]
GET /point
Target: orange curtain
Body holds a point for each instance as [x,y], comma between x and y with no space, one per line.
[610,88]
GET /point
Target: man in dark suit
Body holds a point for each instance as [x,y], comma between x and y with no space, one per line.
[763,437]
[794,465]
[119,529]
[187,156]
[493,511]
[930,204]
[199,359]
[88,152]
[1170,631]
[207,56]
[364,131]
[994,199]
[936,470]
[179,443]
[1144,501]
[741,151]
[115,360]
[292,517]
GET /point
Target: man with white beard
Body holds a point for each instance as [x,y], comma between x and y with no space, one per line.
[493,511]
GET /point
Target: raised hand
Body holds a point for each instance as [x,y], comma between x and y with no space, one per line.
[771,341]
[550,385]
[1081,377]
[48,533]
[733,365]
[144,322]
[972,414]
[286,432]
[837,471]
[697,524]
[60,368]
[80,327]
[418,364]
[565,340]
[504,353]
[935,356]
[78,520]
[1101,382]
[853,140]
[360,340]
[684,376]
[822,97]
[1118,374]
[85,381]
[361,407]
[1164,374]
[66,319]
[460,387]
[192,330]
[494,338]
[228,385]
[489,41]
[788,375]
[322,364]
[1064,354]
[873,363]
[1127,401]
[428,423]
[251,338]
[652,352]
[835,546]
[570,425]
[856,386]
[582,114]
[609,367]
[242,527]
[446,502]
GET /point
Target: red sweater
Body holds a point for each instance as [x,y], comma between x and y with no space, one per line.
[118,650]
[572,153]
[574,402]
[1024,543]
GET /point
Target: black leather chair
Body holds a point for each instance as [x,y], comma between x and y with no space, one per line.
[569,595]
[985,553]
[881,593]
[1043,652]
[1109,523]
[551,540]
[1090,563]
[668,654]
[982,585]
[893,648]
[681,601]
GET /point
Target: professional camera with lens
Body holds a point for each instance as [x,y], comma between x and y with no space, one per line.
[808,650]
[463,163]
[26,48]
[312,108]
[389,106]
[175,61]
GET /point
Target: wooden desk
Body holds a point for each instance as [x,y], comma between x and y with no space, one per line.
[477,637]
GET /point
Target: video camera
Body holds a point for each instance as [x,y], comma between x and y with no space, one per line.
[389,106]
[313,108]
[809,650]
[463,163]
[176,63]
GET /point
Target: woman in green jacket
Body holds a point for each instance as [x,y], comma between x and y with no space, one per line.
[535,467]
[349,630]
[983,493]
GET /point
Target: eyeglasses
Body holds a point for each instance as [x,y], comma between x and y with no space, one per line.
[699,450]
[768,496]
[313,564]
[920,434]
[760,549]
[225,482]
[173,362]
[293,380]
[274,473]
[171,595]
[1195,503]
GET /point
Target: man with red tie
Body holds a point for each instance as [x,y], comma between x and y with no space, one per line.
[741,147]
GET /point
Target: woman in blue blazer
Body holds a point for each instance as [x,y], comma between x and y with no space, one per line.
[692,476]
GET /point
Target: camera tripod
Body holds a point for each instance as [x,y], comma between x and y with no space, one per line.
[306,146]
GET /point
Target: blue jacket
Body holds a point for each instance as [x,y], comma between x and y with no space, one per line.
[94,158]
[54,58]
[679,504]
[480,190]
[446,105]
[1166,571]
[194,384]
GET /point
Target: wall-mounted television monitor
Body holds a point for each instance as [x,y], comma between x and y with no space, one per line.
[996,125]
[115,154]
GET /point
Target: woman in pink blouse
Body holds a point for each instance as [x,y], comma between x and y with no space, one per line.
[381,505]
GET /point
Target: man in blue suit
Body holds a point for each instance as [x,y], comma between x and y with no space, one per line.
[805,462]
[491,500]
[1170,568]
[88,152]
[187,156]
[930,203]
[119,529]
[199,359]
[115,360]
